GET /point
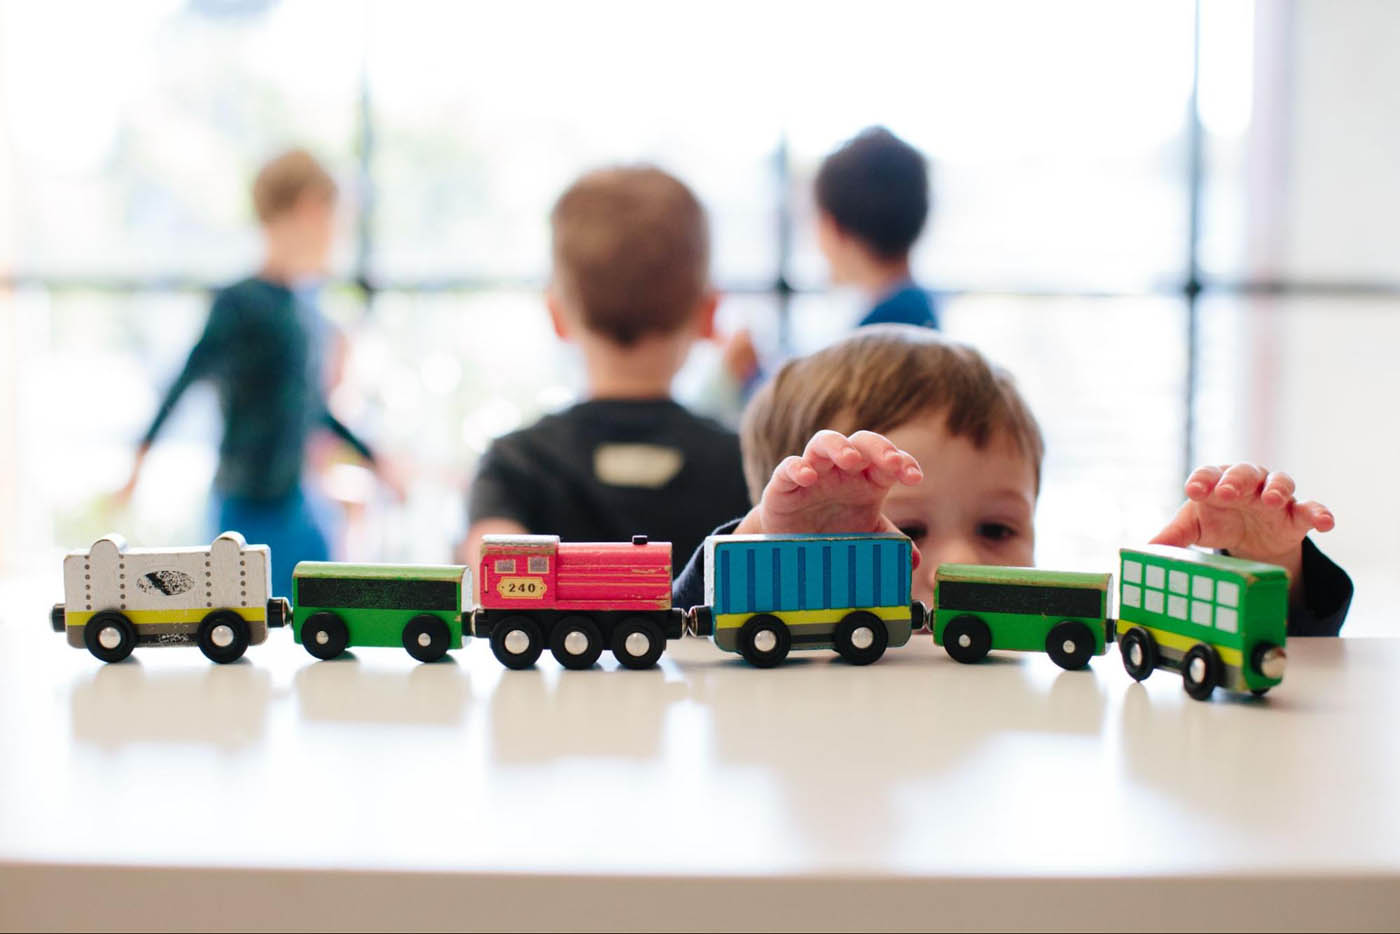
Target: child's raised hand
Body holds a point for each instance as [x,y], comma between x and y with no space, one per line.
[1249,511]
[838,484]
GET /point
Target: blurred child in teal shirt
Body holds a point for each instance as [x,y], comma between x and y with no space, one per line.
[261,348]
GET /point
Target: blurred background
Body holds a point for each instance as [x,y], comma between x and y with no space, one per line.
[1178,223]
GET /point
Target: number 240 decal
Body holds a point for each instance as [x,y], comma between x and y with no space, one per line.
[521,588]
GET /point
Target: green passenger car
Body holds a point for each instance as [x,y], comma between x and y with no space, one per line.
[419,607]
[1220,621]
[978,608]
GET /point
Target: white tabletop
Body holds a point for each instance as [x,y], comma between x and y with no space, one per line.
[373,791]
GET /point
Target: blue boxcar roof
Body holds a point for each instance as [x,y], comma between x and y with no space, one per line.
[755,575]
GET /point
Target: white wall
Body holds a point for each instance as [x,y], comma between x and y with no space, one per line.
[1343,200]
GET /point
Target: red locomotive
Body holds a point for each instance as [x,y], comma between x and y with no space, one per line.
[576,597]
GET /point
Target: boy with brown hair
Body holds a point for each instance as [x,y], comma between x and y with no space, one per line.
[898,429]
[631,289]
[261,349]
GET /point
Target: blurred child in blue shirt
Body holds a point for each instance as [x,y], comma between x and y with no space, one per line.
[872,201]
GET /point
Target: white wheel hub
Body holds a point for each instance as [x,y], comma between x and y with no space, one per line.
[637,644]
[576,643]
[517,643]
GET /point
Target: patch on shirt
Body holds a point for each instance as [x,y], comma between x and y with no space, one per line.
[645,465]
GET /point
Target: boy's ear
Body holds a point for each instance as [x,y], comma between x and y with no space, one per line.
[705,316]
[827,228]
[556,315]
[834,243]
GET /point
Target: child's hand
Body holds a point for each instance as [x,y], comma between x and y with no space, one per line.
[739,356]
[392,473]
[1248,511]
[839,484]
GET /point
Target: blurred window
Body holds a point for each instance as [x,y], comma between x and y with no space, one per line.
[1061,241]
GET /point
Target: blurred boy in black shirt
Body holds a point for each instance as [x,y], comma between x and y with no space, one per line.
[631,289]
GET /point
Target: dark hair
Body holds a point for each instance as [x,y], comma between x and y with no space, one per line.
[876,188]
[880,378]
[631,252]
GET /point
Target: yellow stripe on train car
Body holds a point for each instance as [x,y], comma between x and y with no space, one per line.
[1182,643]
[77,619]
[892,614]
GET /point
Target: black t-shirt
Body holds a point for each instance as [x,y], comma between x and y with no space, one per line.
[608,469]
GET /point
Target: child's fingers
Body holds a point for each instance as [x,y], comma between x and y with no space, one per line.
[890,463]
[830,449]
[792,473]
[1184,529]
[910,473]
[1238,482]
[1314,515]
[1202,481]
[886,465]
[1278,489]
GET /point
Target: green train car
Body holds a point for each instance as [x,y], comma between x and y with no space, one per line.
[978,608]
[1220,621]
[419,607]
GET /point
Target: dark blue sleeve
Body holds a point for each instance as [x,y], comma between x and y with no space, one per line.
[688,589]
[1327,592]
[204,358]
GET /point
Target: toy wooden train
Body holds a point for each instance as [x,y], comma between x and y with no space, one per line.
[1218,620]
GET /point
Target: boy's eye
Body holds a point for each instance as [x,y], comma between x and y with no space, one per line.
[915,530]
[996,531]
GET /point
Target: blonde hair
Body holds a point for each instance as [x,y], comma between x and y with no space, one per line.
[631,252]
[283,180]
[879,378]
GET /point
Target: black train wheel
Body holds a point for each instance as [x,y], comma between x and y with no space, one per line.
[764,641]
[516,642]
[1200,671]
[1139,651]
[637,643]
[1070,645]
[967,639]
[324,635]
[109,635]
[576,642]
[861,638]
[223,636]
[426,637]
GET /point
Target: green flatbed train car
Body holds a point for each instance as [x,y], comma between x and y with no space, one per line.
[419,607]
[978,608]
[1220,621]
